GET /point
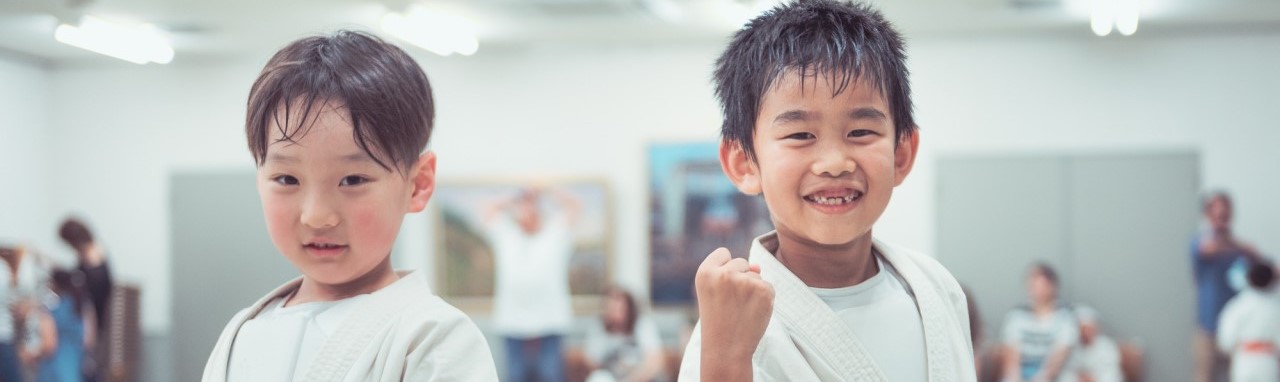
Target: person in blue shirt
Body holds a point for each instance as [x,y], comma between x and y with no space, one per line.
[1214,250]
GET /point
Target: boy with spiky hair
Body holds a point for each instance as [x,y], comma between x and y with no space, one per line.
[817,119]
[338,126]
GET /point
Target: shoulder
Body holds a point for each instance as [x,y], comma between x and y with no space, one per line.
[427,317]
[422,308]
[442,343]
[229,330]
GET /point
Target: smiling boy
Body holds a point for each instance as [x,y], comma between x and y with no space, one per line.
[817,119]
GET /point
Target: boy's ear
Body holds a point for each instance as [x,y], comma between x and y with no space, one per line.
[424,182]
[904,157]
[742,171]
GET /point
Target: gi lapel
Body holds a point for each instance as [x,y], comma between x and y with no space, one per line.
[217,368]
[368,318]
[933,313]
[810,322]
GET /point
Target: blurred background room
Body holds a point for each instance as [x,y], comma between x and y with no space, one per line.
[1086,135]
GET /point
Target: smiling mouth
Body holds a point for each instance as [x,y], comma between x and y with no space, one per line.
[828,198]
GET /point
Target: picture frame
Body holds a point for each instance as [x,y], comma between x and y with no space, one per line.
[465,265]
[694,208]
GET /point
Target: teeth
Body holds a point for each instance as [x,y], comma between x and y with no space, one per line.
[833,200]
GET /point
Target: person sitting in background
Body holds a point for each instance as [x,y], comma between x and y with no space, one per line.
[73,317]
[1249,328]
[1039,336]
[1096,358]
[623,345]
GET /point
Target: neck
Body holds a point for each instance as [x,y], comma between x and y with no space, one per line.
[91,255]
[1043,308]
[827,266]
[315,291]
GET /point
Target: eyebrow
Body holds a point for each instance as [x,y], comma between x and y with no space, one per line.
[866,113]
[275,157]
[793,116]
[802,115]
[357,157]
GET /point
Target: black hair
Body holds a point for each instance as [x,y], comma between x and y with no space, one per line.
[75,233]
[1211,197]
[1261,275]
[385,92]
[1046,270]
[628,324]
[843,40]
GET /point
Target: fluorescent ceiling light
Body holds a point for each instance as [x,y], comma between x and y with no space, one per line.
[138,44]
[437,32]
[1101,17]
[1127,12]
[666,10]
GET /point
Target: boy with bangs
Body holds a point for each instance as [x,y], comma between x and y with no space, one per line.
[338,126]
[817,119]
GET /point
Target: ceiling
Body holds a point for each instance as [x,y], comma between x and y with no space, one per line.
[229,28]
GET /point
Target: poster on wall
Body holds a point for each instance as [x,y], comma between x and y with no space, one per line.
[466,228]
[694,209]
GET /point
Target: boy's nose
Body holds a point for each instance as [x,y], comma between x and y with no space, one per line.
[317,214]
[834,163]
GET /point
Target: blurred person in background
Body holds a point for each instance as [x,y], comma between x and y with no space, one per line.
[1214,249]
[624,345]
[1249,329]
[91,261]
[1096,358]
[1038,337]
[72,318]
[10,367]
[32,330]
[532,244]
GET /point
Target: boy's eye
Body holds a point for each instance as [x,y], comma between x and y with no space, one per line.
[286,180]
[353,180]
[860,133]
[799,136]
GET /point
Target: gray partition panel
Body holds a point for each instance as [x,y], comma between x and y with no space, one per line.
[1132,217]
[996,216]
[223,260]
[1115,225]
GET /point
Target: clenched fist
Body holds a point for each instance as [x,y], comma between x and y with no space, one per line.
[734,304]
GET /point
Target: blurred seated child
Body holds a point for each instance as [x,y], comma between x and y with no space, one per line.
[623,345]
[1096,358]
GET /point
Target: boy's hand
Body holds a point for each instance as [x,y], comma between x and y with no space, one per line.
[734,304]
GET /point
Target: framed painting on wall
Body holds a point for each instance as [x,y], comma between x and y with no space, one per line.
[694,209]
[466,214]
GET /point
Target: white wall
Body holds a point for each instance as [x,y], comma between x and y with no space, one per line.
[1215,94]
[119,130]
[24,141]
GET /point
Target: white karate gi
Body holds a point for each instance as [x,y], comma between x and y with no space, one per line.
[807,341]
[401,332]
[1249,324]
